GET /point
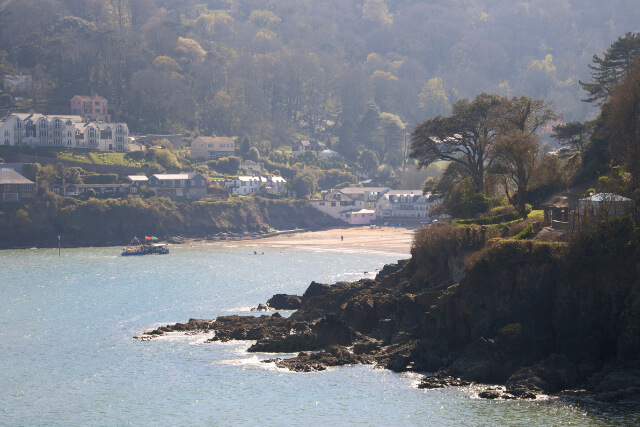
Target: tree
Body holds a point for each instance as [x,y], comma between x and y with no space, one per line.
[622,120]
[304,184]
[515,158]
[572,134]
[465,137]
[253,154]
[516,150]
[609,71]
[368,159]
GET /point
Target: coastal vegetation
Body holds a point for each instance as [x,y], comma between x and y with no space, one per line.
[114,221]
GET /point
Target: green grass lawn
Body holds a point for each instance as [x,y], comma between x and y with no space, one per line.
[100,158]
[74,156]
[537,213]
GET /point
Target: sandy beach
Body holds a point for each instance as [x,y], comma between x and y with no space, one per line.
[392,240]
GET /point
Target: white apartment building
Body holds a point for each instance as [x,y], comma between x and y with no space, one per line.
[38,130]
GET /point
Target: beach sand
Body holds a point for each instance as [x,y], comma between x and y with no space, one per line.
[364,239]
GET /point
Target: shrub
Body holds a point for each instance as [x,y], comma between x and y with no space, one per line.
[524,234]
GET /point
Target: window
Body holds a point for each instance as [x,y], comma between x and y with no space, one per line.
[6,141]
[42,123]
[19,124]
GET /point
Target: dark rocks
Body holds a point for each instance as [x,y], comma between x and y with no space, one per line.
[441,380]
[194,325]
[366,347]
[498,392]
[249,327]
[490,394]
[314,290]
[333,355]
[327,331]
[284,302]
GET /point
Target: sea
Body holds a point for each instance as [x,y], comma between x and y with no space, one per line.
[68,356]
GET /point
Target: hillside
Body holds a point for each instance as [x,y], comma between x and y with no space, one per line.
[275,70]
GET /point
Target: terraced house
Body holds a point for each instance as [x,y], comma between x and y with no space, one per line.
[38,130]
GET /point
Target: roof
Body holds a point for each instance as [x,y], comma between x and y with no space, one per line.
[171,176]
[558,202]
[138,178]
[362,211]
[10,176]
[607,197]
[99,185]
[252,178]
[405,192]
[35,117]
[208,139]
[362,190]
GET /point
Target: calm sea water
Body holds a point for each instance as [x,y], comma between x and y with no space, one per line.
[68,357]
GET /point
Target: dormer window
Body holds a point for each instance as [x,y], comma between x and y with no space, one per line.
[42,123]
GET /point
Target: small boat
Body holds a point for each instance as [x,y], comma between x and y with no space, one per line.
[135,247]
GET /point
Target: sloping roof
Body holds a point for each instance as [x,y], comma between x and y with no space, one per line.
[558,202]
[35,117]
[405,192]
[362,190]
[607,197]
[10,176]
[172,176]
[209,139]
[138,178]
[362,211]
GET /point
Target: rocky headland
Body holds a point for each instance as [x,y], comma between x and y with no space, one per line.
[526,317]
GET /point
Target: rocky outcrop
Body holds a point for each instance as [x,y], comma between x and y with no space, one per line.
[284,302]
[534,318]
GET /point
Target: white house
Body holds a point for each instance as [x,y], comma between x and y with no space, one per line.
[244,185]
[612,205]
[358,216]
[405,204]
[333,202]
[38,130]
[276,184]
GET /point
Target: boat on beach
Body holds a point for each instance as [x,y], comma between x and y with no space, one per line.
[135,247]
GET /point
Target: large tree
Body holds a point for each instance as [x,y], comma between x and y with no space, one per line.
[609,71]
[573,134]
[465,137]
[622,119]
[515,152]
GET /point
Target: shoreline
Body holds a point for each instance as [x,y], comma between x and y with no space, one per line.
[395,240]
[387,239]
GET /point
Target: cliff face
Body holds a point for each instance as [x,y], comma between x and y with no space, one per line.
[109,222]
[562,312]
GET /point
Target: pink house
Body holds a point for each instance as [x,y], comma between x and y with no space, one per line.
[92,108]
[358,217]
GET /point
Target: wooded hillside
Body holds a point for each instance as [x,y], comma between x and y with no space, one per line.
[277,70]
